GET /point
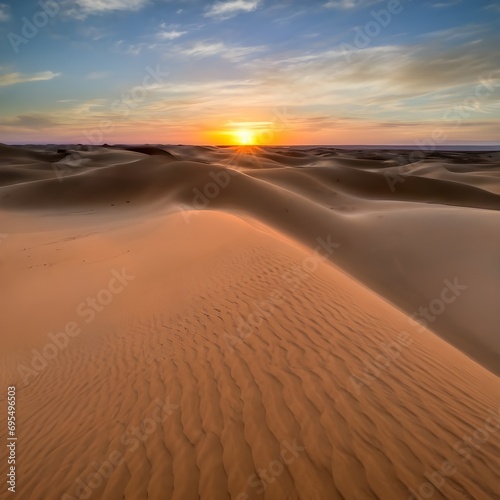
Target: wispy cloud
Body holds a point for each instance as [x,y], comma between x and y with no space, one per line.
[217,86]
[231,8]
[81,9]
[33,121]
[495,7]
[349,4]
[133,49]
[210,49]
[15,78]
[170,35]
[4,12]
[464,31]
[94,33]
[380,81]
[448,3]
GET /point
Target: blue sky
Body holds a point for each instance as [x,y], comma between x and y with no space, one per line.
[289,71]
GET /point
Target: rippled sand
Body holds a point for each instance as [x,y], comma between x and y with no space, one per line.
[201,322]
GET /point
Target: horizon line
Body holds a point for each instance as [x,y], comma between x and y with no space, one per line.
[424,148]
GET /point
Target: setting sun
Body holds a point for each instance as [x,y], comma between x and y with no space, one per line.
[244,137]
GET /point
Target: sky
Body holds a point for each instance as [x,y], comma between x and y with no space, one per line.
[329,72]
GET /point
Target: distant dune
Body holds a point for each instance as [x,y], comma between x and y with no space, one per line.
[199,322]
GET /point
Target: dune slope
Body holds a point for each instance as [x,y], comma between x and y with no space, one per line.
[399,229]
[167,343]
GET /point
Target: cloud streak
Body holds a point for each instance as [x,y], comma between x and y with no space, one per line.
[226,10]
[211,49]
[81,9]
[444,5]
[170,35]
[349,4]
[4,12]
[16,78]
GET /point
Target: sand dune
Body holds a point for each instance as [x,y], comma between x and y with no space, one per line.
[224,323]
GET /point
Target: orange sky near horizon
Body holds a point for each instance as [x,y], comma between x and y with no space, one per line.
[228,72]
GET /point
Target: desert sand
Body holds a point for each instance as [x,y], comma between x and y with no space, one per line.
[273,323]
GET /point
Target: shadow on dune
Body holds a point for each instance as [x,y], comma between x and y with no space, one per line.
[400,233]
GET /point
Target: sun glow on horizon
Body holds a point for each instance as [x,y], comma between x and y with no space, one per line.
[244,137]
[246,134]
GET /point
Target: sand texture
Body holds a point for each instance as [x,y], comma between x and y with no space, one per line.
[252,323]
